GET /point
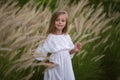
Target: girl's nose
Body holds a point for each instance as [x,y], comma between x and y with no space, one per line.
[60,22]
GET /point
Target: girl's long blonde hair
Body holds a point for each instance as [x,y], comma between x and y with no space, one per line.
[51,28]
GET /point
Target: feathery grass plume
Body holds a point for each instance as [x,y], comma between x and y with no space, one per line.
[87,26]
[22,30]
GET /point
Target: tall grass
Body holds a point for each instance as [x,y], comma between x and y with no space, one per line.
[22,30]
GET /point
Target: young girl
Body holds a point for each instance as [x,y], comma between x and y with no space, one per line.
[61,47]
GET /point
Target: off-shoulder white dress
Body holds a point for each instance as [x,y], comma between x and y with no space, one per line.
[59,46]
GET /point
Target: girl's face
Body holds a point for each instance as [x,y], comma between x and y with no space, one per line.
[60,22]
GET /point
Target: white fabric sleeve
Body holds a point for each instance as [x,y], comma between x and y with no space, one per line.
[42,50]
[71,45]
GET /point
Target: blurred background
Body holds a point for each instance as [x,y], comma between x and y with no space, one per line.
[94,23]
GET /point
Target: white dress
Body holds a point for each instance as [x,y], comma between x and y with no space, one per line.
[59,46]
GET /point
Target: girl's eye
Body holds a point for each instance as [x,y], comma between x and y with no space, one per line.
[57,20]
[63,20]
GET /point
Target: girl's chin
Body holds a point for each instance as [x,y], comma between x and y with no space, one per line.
[60,27]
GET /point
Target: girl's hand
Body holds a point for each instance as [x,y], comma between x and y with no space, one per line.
[76,49]
[78,45]
[50,65]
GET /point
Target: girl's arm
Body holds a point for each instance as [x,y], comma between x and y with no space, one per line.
[76,48]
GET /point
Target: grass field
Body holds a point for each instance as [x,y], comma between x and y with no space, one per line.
[23,29]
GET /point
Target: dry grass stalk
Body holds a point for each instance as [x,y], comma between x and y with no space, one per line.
[23,30]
